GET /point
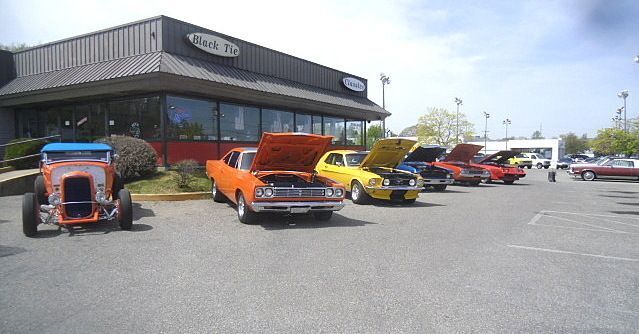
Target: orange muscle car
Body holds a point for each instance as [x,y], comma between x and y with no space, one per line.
[278,176]
[459,159]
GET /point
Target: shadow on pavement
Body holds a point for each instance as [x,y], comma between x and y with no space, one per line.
[2,221]
[274,222]
[623,192]
[625,212]
[447,191]
[622,203]
[618,196]
[140,212]
[8,251]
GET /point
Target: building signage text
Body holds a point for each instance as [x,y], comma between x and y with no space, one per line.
[213,45]
[354,84]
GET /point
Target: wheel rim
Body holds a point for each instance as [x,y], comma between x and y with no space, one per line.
[589,176]
[241,206]
[355,192]
[213,189]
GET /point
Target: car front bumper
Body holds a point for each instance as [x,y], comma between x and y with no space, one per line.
[296,207]
[434,182]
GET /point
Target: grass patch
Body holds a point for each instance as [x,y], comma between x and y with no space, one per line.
[165,183]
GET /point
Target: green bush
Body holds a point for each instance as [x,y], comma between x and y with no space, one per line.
[184,172]
[21,150]
[136,158]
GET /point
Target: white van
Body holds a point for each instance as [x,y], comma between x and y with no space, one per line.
[538,160]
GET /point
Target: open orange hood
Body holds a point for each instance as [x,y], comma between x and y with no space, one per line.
[289,152]
[463,152]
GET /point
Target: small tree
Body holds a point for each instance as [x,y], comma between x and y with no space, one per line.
[574,144]
[439,126]
[373,134]
[537,135]
[136,158]
[616,141]
[184,172]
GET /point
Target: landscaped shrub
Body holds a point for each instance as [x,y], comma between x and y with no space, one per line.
[136,158]
[184,172]
[21,150]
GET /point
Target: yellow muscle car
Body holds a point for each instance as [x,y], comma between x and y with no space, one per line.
[373,174]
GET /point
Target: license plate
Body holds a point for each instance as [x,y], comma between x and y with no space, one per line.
[299,210]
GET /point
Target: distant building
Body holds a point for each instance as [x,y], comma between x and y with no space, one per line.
[552,149]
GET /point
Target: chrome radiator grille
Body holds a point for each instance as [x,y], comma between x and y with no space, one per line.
[299,192]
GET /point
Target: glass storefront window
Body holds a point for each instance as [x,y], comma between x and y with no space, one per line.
[191,119]
[303,123]
[66,123]
[277,121]
[139,118]
[52,126]
[355,133]
[239,123]
[317,125]
[334,127]
[89,122]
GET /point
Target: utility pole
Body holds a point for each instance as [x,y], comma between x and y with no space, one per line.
[486,115]
[459,102]
[385,81]
[624,95]
[506,122]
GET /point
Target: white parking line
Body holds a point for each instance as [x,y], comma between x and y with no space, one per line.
[573,253]
[596,228]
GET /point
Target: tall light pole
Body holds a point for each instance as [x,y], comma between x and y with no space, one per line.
[618,117]
[459,102]
[385,81]
[637,59]
[487,116]
[624,95]
[506,122]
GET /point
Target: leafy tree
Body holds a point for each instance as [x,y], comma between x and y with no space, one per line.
[439,127]
[373,134]
[410,131]
[15,47]
[612,141]
[537,135]
[574,144]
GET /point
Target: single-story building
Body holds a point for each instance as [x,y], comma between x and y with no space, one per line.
[189,91]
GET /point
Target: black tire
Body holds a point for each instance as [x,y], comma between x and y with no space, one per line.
[529,167]
[215,193]
[509,181]
[539,165]
[358,194]
[546,167]
[30,215]
[409,201]
[126,209]
[440,187]
[244,213]
[588,175]
[40,190]
[323,215]
[118,185]
[488,181]
[474,183]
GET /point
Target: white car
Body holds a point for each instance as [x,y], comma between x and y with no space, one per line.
[538,160]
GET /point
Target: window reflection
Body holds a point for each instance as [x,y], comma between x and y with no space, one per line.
[277,121]
[334,127]
[239,123]
[303,123]
[191,119]
[354,133]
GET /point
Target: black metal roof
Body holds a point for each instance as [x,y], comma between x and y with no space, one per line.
[163,62]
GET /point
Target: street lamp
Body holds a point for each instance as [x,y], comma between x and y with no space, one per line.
[385,81]
[506,122]
[623,95]
[487,116]
[459,102]
[637,59]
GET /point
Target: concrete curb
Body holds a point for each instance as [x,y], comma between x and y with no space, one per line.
[18,185]
[171,197]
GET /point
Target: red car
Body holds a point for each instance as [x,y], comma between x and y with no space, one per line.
[459,161]
[500,170]
[627,169]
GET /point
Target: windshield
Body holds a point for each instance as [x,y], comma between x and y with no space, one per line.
[247,160]
[103,156]
[355,159]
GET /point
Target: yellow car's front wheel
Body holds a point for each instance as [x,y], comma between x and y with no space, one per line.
[358,193]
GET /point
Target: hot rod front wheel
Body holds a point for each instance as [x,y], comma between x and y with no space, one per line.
[40,190]
[30,215]
[126,209]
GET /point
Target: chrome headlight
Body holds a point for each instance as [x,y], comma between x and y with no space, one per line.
[339,192]
[372,182]
[485,173]
[386,182]
[101,197]
[54,199]
[449,176]
[259,192]
[268,192]
[412,182]
[329,192]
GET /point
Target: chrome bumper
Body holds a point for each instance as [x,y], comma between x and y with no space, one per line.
[418,188]
[428,182]
[296,207]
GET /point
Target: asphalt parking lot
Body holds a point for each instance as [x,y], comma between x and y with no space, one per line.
[532,257]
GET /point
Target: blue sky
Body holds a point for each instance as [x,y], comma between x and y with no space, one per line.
[554,64]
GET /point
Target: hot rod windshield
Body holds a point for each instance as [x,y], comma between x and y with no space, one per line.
[50,157]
